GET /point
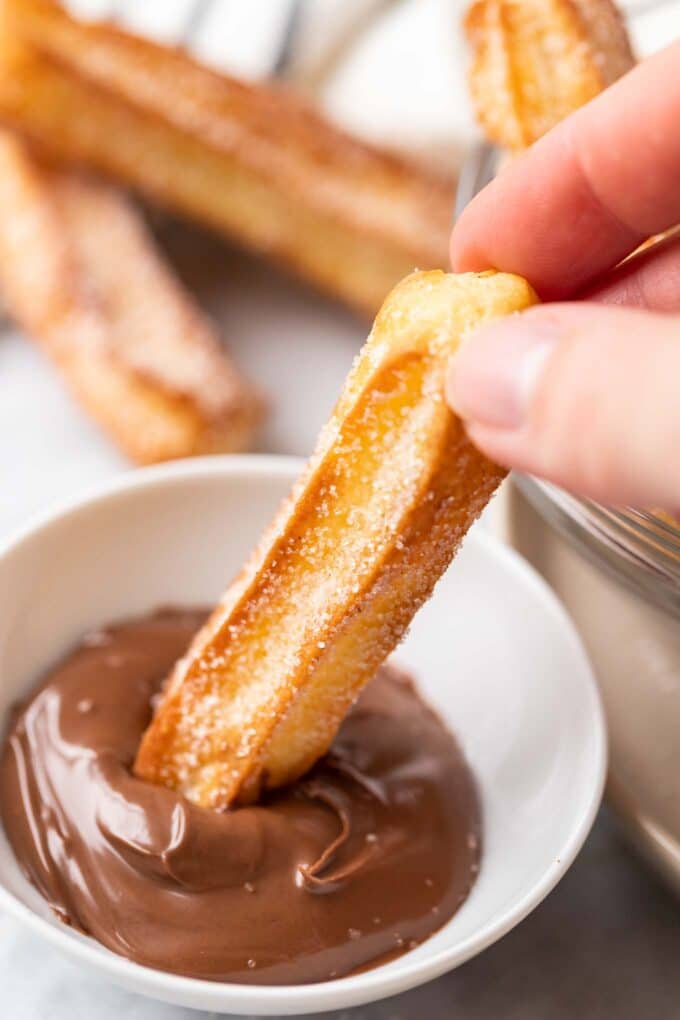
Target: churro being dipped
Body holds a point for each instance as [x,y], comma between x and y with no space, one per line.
[375,519]
[536,61]
[252,161]
[299,886]
[80,273]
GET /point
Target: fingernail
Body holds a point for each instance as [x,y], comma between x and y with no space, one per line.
[493,378]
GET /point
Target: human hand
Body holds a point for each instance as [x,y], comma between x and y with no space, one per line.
[587,393]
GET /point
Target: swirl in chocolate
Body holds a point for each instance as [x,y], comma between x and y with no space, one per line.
[362,859]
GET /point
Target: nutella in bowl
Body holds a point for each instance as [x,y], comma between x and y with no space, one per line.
[352,865]
[493,656]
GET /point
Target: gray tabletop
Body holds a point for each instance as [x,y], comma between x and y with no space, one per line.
[605,944]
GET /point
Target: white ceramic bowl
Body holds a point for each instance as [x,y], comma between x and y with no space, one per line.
[493,650]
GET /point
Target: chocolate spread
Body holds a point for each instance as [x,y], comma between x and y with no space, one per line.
[357,862]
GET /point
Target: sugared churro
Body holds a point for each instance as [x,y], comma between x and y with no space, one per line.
[253,161]
[80,273]
[375,519]
[536,61]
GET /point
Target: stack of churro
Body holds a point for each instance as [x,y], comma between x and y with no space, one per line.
[78,269]
[252,161]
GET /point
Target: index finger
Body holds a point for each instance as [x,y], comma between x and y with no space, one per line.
[585,195]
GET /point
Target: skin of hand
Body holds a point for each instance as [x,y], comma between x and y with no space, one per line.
[585,393]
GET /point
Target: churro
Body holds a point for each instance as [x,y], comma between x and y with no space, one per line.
[253,161]
[80,273]
[536,61]
[373,522]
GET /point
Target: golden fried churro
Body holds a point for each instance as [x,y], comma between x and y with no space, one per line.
[253,161]
[80,273]
[385,501]
[536,61]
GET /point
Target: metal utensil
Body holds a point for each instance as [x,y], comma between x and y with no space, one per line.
[479,169]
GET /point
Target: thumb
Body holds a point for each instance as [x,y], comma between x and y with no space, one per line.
[584,395]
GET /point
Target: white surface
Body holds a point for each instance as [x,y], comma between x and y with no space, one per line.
[493,651]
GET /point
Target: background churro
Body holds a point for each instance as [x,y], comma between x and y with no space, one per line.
[80,273]
[252,161]
[536,61]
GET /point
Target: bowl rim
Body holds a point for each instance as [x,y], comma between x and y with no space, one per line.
[375,983]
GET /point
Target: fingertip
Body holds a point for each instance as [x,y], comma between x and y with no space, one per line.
[460,258]
[466,253]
